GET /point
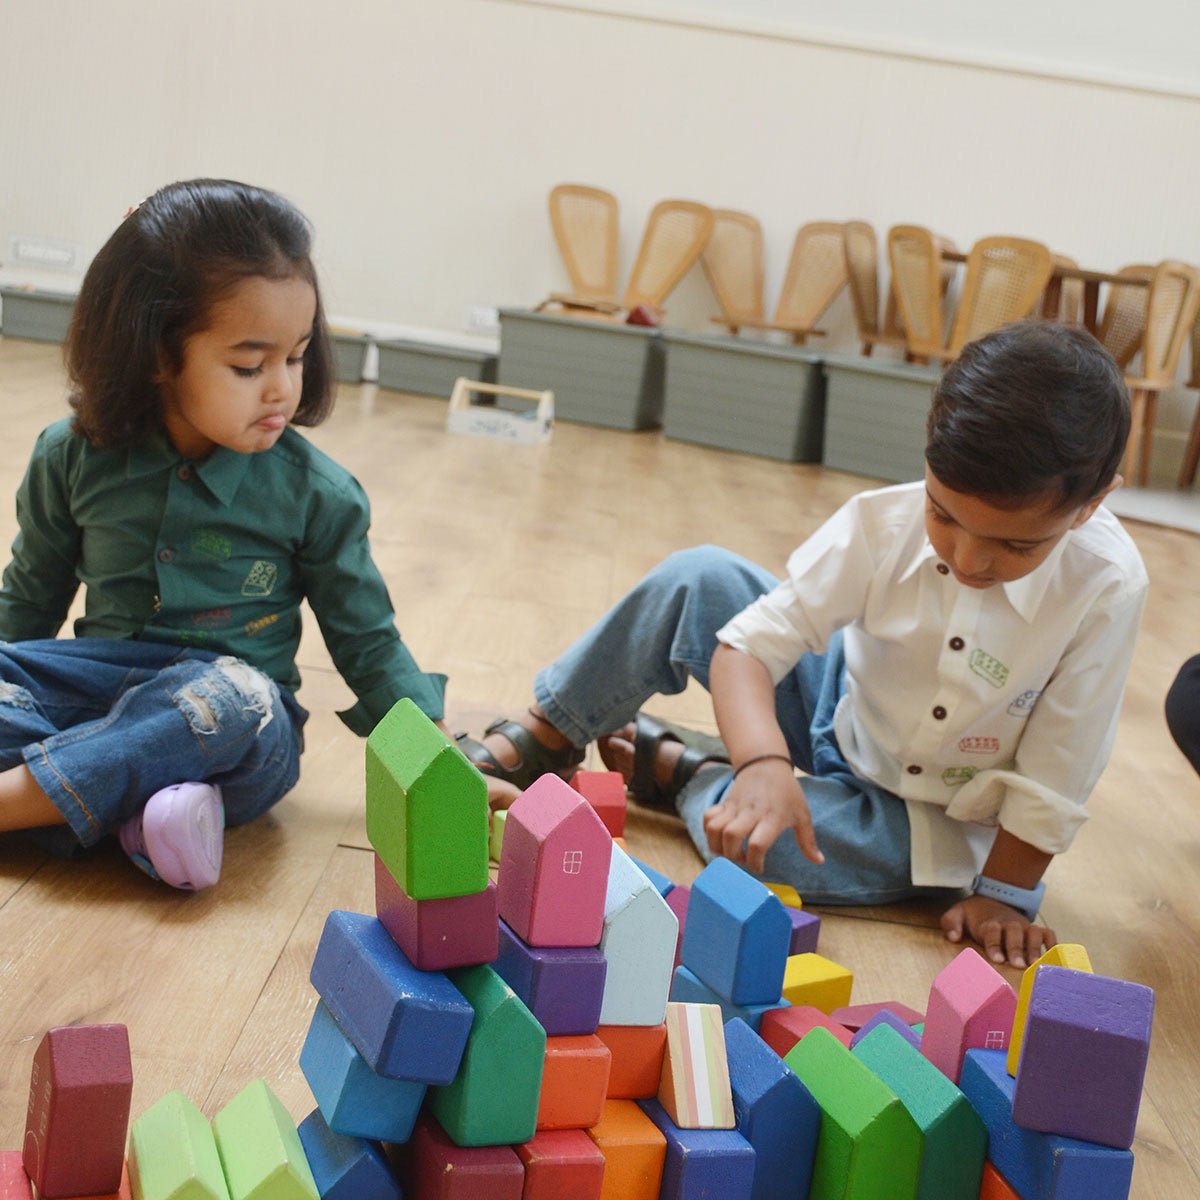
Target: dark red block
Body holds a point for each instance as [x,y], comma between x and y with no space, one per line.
[79,1096]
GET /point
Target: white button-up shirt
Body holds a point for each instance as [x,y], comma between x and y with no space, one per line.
[980,707]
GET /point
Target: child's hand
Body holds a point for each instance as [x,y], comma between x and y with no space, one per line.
[758,807]
[1004,933]
[500,793]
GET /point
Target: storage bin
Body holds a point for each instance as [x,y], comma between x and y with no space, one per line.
[41,316]
[431,368]
[349,355]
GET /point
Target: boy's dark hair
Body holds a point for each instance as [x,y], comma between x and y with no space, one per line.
[153,284]
[1036,409]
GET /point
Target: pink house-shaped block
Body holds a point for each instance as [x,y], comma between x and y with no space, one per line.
[554,866]
[971,1007]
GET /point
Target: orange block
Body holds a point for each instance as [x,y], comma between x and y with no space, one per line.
[637,1059]
[994,1186]
[634,1152]
[574,1082]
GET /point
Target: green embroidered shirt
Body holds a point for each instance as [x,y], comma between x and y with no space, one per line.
[216,554]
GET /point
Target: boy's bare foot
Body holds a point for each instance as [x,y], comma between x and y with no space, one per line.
[657,760]
[617,750]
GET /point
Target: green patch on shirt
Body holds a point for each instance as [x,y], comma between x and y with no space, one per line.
[209,542]
[956,776]
[989,668]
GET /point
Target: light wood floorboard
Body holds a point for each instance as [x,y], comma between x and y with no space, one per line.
[496,557]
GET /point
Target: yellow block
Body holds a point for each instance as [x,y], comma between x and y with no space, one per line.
[816,980]
[695,1088]
[1066,955]
[787,894]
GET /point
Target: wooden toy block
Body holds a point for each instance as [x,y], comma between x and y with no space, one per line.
[353,1099]
[561,1164]
[605,792]
[80,1089]
[788,896]
[955,1140]
[677,901]
[14,1182]
[775,1113]
[442,1170]
[637,1059]
[634,1150]
[496,834]
[870,1147]
[702,1162]
[124,1192]
[554,866]
[173,1154]
[563,988]
[806,931]
[346,1168]
[458,931]
[887,1017]
[695,1081]
[426,807]
[1065,954]
[737,935]
[260,1148]
[1087,1040]
[406,1023]
[574,1082]
[971,1006]
[493,1100]
[687,989]
[994,1186]
[817,980]
[1039,1164]
[855,1016]
[662,885]
[782,1028]
[638,941]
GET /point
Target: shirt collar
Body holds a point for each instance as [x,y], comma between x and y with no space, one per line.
[221,472]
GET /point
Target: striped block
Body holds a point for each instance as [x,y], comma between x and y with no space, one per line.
[561,1164]
[637,1059]
[442,1170]
[260,1149]
[687,989]
[971,1006]
[1066,954]
[574,1082]
[605,792]
[702,1163]
[14,1182]
[695,1081]
[172,1153]
[634,1150]
[346,1168]
[817,980]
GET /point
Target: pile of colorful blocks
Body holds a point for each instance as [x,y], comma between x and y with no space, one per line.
[580,1027]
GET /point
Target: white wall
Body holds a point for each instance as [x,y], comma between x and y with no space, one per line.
[422,138]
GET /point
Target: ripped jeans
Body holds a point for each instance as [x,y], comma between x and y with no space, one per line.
[103,723]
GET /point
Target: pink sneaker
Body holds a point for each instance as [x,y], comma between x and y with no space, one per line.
[179,836]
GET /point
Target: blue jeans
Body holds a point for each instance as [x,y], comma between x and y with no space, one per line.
[661,634]
[103,723]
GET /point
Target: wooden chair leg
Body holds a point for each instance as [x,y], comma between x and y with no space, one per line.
[1191,456]
[1137,407]
[1148,416]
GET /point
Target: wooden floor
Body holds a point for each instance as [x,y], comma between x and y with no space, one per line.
[496,557]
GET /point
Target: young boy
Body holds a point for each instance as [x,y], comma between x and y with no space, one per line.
[945,661]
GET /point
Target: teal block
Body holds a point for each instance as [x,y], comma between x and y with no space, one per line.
[426,807]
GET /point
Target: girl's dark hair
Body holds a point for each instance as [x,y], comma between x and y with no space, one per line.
[153,284]
[1037,409]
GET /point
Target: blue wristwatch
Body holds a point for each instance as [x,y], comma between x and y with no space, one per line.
[1024,900]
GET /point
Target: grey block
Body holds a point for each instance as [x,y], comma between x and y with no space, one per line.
[38,315]
[430,369]
[875,415]
[349,355]
[744,395]
[601,372]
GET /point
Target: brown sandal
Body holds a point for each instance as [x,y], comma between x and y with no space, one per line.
[649,735]
[535,759]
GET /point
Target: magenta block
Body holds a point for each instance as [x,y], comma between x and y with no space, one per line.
[1083,1056]
[677,901]
[554,866]
[806,931]
[435,935]
[971,1007]
[440,1170]
[855,1016]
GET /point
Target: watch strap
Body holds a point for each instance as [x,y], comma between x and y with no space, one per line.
[1024,900]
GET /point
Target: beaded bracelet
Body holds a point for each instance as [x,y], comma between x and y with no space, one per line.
[762,758]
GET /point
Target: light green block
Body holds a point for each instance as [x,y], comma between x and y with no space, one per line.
[173,1155]
[426,807]
[869,1147]
[496,839]
[955,1137]
[493,1100]
[260,1148]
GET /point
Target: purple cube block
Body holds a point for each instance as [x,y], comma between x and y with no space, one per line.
[1083,1057]
[562,986]
[806,929]
[887,1017]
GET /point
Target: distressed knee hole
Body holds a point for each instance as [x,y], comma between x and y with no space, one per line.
[16,696]
[229,688]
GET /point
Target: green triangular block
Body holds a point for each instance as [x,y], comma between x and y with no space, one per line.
[173,1155]
[260,1148]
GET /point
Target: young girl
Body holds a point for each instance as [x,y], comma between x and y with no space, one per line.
[197,520]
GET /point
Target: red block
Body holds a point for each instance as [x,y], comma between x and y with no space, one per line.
[14,1183]
[435,935]
[855,1016]
[124,1192]
[440,1170]
[78,1118]
[561,1164]
[782,1028]
[605,792]
[637,1059]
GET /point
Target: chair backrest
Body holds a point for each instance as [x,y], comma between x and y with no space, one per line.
[914,255]
[1170,316]
[862,274]
[1005,278]
[1070,295]
[676,233]
[816,273]
[1194,377]
[584,220]
[1124,319]
[733,262]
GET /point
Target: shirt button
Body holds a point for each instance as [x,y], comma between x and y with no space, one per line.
[943,569]
[956,643]
[184,472]
[914,770]
[166,555]
[939,713]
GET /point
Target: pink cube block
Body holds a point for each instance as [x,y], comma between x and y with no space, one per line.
[971,1007]
[605,792]
[435,935]
[14,1183]
[554,866]
[677,901]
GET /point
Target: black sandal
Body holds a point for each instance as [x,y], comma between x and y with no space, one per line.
[535,759]
[649,735]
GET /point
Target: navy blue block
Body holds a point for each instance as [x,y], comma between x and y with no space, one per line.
[1039,1164]
[346,1168]
[662,884]
[562,987]
[687,989]
[406,1023]
[775,1113]
[702,1163]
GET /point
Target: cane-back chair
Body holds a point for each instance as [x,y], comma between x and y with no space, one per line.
[1124,321]
[733,262]
[862,275]
[585,222]
[675,236]
[914,256]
